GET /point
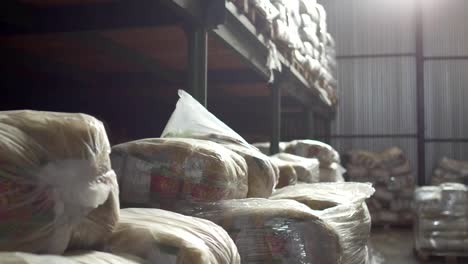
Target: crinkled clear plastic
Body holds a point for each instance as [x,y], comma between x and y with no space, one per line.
[264,147]
[191,120]
[159,236]
[307,169]
[332,173]
[78,257]
[392,175]
[54,170]
[449,170]
[266,8]
[342,206]
[441,224]
[160,171]
[273,231]
[313,149]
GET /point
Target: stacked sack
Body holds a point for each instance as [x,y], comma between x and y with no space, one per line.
[57,188]
[59,196]
[305,170]
[273,231]
[441,224]
[449,170]
[391,173]
[330,168]
[342,206]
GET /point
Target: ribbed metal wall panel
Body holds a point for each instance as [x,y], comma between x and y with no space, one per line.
[445,27]
[446,99]
[436,150]
[371,26]
[409,146]
[378,96]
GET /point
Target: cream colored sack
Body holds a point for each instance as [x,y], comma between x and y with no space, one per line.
[164,237]
[54,170]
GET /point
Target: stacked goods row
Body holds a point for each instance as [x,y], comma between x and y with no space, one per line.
[441,224]
[323,160]
[59,199]
[449,170]
[391,173]
[211,196]
[298,29]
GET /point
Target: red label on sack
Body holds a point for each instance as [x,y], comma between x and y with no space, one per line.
[165,185]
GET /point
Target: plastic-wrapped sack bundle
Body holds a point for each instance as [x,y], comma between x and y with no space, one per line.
[160,236]
[157,172]
[79,257]
[287,172]
[307,169]
[341,206]
[441,224]
[273,231]
[264,147]
[191,120]
[54,170]
[449,170]
[313,149]
[266,8]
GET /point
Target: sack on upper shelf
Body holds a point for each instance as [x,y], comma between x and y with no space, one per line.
[159,236]
[157,172]
[307,169]
[341,206]
[78,257]
[191,120]
[273,231]
[54,170]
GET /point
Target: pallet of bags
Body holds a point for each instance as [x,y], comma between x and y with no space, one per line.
[343,207]
[191,120]
[441,224]
[272,231]
[57,188]
[306,169]
[449,170]
[158,236]
[391,173]
[75,257]
[329,160]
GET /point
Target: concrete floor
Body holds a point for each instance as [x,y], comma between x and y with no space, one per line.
[395,246]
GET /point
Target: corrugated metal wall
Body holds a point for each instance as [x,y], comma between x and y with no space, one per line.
[376,46]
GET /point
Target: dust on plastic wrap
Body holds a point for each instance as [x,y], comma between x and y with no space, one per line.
[267,231]
[441,224]
[160,236]
[54,170]
[191,120]
[343,207]
[158,172]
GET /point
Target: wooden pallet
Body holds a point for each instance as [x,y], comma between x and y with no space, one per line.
[448,258]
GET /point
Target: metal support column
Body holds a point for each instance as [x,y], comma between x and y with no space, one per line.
[276,119]
[197,39]
[420,94]
[310,119]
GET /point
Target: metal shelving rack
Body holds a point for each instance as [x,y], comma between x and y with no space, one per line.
[199,19]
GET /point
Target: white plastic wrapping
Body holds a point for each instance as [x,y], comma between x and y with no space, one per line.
[266,8]
[273,231]
[161,171]
[54,170]
[287,172]
[307,169]
[342,206]
[264,147]
[192,120]
[159,236]
[314,149]
[78,257]
[441,224]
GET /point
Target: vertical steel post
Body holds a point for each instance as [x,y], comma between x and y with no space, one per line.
[310,118]
[421,137]
[197,38]
[276,117]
